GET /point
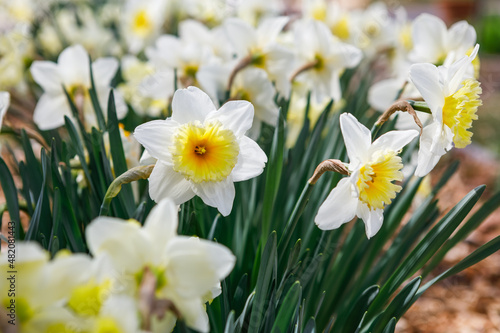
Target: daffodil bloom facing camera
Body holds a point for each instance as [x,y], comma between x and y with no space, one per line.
[453,99]
[201,150]
[373,169]
[72,72]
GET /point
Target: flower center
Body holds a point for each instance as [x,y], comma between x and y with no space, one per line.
[141,24]
[341,28]
[86,300]
[107,325]
[204,152]
[459,111]
[375,180]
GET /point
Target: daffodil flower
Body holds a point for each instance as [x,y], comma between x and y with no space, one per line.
[323,57]
[141,22]
[434,43]
[373,167]
[201,150]
[453,98]
[72,72]
[186,269]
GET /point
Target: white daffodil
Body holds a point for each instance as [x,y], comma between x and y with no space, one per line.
[4,105]
[141,22]
[201,150]
[185,56]
[186,269]
[250,84]
[42,287]
[196,32]
[434,43]
[453,98]
[148,92]
[332,14]
[72,72]
[323,58]
[373,168]
[259,47]
[254,11]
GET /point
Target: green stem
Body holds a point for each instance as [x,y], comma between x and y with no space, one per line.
[294,217]
[140,172]
[420,106]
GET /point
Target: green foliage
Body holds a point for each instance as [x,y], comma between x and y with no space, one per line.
[289,275]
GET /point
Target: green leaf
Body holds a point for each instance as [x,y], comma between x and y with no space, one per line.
[391,326]
[118,154]
[473,223]
[267,273]
[273,175]
[95,100]
[350,321]
[398,306]
[288,309]
[10,192]
[427,247]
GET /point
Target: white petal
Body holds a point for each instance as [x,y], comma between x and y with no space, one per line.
[4,105]
[240,34]
[338,208]
[50,111]
[147,159]
[156,137]
[426,78]
[434,142]
[191,104]
[269,29]
[373,219]
[457,70]
[194,314]
[46,74]
[428,34]
[164,182]
[120,240]
[234,115]
[383,93]
[251,160]
[161,223]
[74,66]
[104,70]
[357,138]
[394,140]
[461,36]
[123,311]
[196,265]
[217,194]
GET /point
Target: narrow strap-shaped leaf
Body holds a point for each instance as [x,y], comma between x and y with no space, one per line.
[10,192]
[266,271]
[426,248]
[288,309]
[349,321]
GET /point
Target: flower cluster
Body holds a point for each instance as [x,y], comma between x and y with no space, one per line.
[137,276]
[195,96]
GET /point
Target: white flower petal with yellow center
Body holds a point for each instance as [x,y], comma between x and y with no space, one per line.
[201,150]
[434,43]
[261,45]
[72,71]
[453,98]
[186,269]
[374,167]
[141,22]
[327,56]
